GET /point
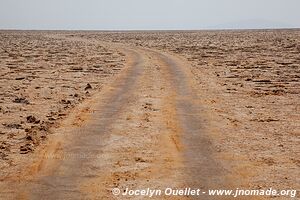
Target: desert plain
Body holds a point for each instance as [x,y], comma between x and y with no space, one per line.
[83,112]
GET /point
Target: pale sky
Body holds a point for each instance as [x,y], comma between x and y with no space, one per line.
[148,14]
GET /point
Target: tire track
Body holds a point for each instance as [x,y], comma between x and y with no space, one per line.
[144,130]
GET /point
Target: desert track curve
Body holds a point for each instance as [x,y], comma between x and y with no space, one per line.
[142,130]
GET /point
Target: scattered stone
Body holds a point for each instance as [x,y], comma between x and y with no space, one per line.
[139,159]
[268,120]
[44,127]
[4,146]
[51,119]
[24,149]
[21,100]
[88,87]
[29,137]
[20,78]
[32,119]
[268,161]
[15,126]
[77,68]
[65,101]
[3,156]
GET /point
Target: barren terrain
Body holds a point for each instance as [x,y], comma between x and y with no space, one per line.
[84,112]
[41,79]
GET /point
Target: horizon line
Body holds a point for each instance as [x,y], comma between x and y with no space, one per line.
[150,30]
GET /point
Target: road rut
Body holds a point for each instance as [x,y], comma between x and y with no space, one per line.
[143,130]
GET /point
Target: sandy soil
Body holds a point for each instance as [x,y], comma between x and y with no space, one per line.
[41,80]
[197,109]
[249,82]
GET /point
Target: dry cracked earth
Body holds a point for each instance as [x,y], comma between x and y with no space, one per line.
[84,112]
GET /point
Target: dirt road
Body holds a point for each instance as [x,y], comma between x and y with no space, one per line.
[143,130]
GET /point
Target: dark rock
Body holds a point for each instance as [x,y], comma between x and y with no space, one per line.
[51,118]
[24,149]
[4,146]
[21,100]
[139,159]
[32,119]
[20,78]
[88,87]
[65,101]
[16,126]
[77,68]
[29,137]
[3,156]
[33,137]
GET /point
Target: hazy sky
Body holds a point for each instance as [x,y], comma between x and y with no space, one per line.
[148,14]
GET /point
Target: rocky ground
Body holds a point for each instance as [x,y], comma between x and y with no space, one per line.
[248,83]
[41,79]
